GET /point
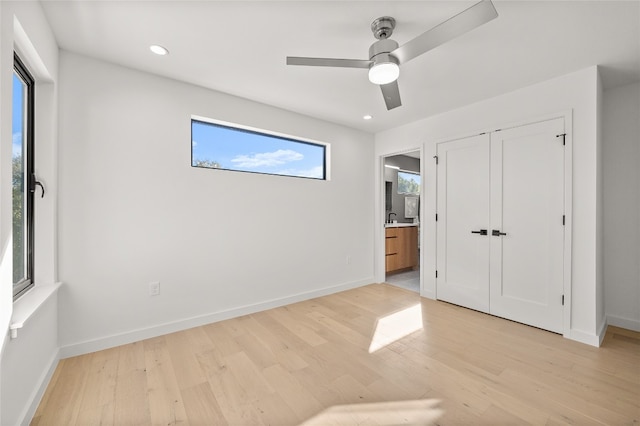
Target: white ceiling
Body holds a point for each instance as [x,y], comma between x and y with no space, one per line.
[240,47]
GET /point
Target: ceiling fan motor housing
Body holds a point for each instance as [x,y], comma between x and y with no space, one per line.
[382,46]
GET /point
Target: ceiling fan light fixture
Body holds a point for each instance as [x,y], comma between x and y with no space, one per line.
[384,71]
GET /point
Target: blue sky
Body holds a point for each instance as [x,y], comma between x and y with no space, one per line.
[16,125]
[246,151]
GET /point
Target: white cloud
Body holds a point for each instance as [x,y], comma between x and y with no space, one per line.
[267,159]
[194,144]
[315,172]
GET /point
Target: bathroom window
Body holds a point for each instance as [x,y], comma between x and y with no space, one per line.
[408,183]
[224,147]
[22,163]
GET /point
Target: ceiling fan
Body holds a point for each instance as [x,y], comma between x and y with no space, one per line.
[385,56]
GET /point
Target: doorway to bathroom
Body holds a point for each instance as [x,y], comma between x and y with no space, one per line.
[402,190]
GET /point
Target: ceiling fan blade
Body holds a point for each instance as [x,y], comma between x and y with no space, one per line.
[328,62]
[478,14]
[391,94]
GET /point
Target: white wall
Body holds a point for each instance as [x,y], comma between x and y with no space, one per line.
[621,121]
[576,92]
[132,210]
[27,362]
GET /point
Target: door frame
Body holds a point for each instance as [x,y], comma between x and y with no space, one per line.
[380,252]
[431,204]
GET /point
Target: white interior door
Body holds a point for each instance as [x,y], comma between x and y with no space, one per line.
[527,204]
[463,208]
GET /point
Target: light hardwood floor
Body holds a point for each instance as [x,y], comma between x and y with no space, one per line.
[310,363]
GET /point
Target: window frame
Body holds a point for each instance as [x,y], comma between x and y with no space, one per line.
[23,73]
[263,133]
[410,173]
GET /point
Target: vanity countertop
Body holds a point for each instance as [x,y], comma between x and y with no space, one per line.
[399,225]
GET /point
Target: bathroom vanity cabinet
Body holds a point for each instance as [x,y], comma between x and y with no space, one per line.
[401,247]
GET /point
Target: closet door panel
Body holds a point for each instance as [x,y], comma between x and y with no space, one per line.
[463,207]
[527,204]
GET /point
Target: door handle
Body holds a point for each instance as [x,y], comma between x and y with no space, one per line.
[35,183]
[481,232]
[497,233]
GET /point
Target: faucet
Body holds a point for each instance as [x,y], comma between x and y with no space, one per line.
[389,216]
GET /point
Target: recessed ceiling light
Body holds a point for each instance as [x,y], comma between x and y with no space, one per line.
[367,117]
[158,50]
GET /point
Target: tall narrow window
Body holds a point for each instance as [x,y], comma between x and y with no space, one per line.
[22,177]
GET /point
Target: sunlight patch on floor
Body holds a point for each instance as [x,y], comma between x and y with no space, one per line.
[417,412]
[395,326]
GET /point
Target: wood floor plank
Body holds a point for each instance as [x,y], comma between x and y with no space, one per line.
[313,362]
[165,399]
[268,337]
[298,327]
[183,349]
[100,387]
[296,396]
[131,405]
[201,406]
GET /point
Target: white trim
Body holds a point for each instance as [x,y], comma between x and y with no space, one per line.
[136,335]
[379,239]
[28,304]
[568,226]
[38,393]
[567,115]
[602,331]
[627,323]
[256,130]
[586,338]
[29,54]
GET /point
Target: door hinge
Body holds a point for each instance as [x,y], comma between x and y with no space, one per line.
[436,157]
[562,135]
[563,220]
[436,217]
[563,300]
[436,273]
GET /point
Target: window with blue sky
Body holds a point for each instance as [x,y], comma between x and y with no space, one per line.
[22,163]
[228,148]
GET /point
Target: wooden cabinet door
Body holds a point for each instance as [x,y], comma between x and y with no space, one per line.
[411,246]
[392,247]
[401,248]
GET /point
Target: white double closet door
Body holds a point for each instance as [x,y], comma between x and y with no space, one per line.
[500,229]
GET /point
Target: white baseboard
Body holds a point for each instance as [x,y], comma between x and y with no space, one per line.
[628,323]
[602,331]
[584,337]
[186,323]
[36,397]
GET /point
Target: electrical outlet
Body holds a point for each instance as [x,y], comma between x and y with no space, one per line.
[154,288]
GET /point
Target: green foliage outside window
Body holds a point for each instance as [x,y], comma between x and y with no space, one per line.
[408,183]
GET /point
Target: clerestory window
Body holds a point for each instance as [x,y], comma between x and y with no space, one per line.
[224,147]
